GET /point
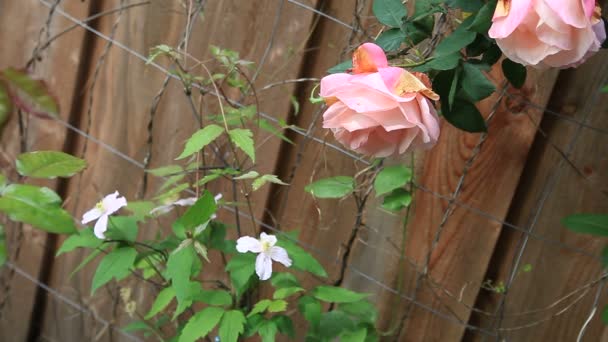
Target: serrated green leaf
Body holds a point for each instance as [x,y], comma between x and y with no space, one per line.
[243,139]
[199,213]
[241,268]
[48,164]
[283,279]
[200,139]
[389,12]
[397,200]
[594,224]
[286,292]
[114,265]
[333,294]
[285,325]
[342,67]
[514,72]
[259,182]
[301,259]
[163,299]
[391,178]
[278,305]
[33,95]
[123,228]
[232,325]
[179,270]
[260,307]
[268,127]
[475,83]
[310,309]
[201,324]
[214,297]
[268,331]
[38,206]
[85,238]
[334,187]
[391,40]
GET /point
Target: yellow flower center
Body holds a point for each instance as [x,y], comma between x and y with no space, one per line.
[99,206]
[266,246]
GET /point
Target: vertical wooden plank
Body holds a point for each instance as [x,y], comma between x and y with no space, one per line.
[555,270]
[21,25]
[121,105]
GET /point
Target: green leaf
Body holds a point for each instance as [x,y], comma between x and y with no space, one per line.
[3,182]
[6,105]
[465,5]
[334,187]
[310,309]
[604,256]
[342,67]
[333,323]
[391,178]
[140,210]
[85,238]
[248,175]
[199,213]
[397,200]
[114,265]
[163,299]
[33,95]
[363,310]
[200,139]
[86,260]
[454,87]
[483,18]
[243,138]
[260,307]
[333,294]
[166,170]
[268,331]
[258,183]
[278,305]
[475,83]
[491,55]
[302,260]
[241,268]
[446,62]
[122,228]
[514,72]
[391,40]
[464,115]
[40,207]
[605,315]
[456,41]
[179,270]
[389,12]
[48,164]
[136,326]
[283,279]
[285,325]
[232,325]
[358,335]
[201,324]
[268,127]
[594,224]
[286,292]
[3,254]
[214,297]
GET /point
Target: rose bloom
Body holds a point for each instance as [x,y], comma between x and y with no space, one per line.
[379,110]
[555,33]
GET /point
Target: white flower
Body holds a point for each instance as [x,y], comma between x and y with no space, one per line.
[106,207]
[267,250]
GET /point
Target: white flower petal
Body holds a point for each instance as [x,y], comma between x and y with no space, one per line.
[111,203]
[101,226]
[160,210]
[91,215]
[269,239]
[186,202]
[263,266]
[248,244]
[218,197]
[279,254]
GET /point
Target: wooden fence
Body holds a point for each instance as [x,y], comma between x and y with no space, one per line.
[487,206]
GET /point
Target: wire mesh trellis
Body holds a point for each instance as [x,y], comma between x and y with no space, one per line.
[452,199]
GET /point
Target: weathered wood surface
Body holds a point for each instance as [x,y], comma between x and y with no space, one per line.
[557,271]
[21,31]
[117,92]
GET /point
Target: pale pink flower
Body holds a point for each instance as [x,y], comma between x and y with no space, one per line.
[102,210]
[267,252]
[554,33]
[380,110]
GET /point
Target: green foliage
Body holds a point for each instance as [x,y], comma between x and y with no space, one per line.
[302,260]
[201,324]
[459,39]
[391,178]
[38,206]
[333,323]
[594,224]
[162,50]
[278,305]
[243,139]
[6,105]
[341,67]
[114,265]
[32,96]
[179,270]
[260,181]
[605,315]
[232,325]
[200,139]
[84,238]
[123,228]
[214,297]
[3,254]
[514,72]
[241,268]
[483,19]
[397,200]
[334,294]
[333,187]
[475,84]
[163,299]
[199,213]
[391,40]
[462,113]
[389,12]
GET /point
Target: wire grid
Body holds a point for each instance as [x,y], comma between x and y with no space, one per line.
[528,232]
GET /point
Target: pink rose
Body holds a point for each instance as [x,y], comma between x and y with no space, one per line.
[379,110]
[556,33]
